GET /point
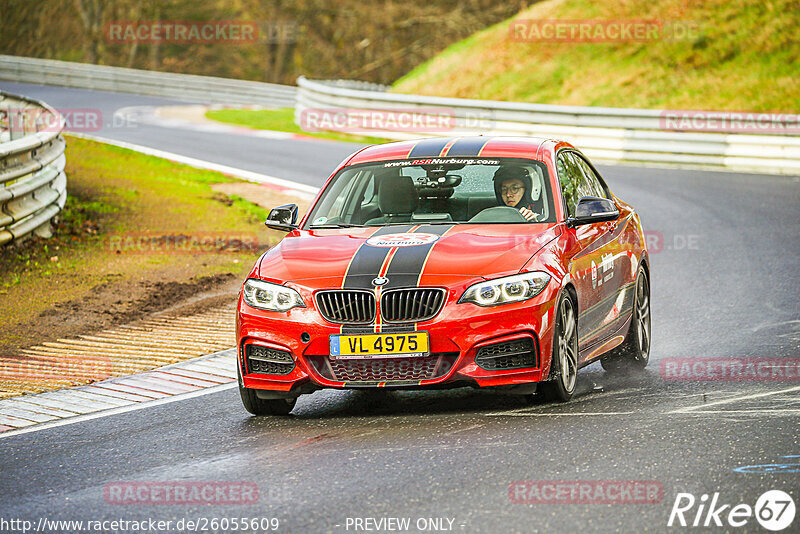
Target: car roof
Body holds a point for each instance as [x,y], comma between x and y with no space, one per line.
[450,147]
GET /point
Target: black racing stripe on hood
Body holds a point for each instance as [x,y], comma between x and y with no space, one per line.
[429,148]
[407,264]
[368,260]
[470,146]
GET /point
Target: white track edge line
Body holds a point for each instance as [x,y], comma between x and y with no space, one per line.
[121,409]
[250,176]
[699,407]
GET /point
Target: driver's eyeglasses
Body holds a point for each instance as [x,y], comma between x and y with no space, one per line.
[514,189]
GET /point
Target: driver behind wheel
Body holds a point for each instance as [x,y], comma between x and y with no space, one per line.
[514,188]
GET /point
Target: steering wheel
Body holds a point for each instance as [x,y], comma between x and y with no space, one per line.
[498,214]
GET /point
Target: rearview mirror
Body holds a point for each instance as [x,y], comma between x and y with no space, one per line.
[593,209]
[282,218]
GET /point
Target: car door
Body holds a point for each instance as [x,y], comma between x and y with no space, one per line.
[614,271]
[591,266]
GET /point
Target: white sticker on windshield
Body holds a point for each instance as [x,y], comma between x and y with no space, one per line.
[441,161]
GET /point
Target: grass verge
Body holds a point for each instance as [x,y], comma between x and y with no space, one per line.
[741,56]
[138,234]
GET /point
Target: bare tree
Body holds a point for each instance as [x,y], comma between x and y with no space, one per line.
[91,15]
[375,40]
[135,12]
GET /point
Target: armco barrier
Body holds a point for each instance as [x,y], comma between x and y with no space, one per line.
[33,186]
[205,89]
[607,134]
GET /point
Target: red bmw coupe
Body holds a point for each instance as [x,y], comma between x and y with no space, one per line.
[492,262]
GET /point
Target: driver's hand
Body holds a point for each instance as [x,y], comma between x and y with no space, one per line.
[528,214]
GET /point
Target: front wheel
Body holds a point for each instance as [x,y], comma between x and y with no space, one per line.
[634,353]
[564,365]
[257,406]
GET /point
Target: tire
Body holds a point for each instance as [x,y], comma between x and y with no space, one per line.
[634,353]
[564,367]
[257,406]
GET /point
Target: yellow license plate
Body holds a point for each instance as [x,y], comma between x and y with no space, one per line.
[378,345]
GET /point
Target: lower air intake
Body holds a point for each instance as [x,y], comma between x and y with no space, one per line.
[267,361]
[385,369]
[514,354]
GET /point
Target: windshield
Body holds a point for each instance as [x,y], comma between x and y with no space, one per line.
[441,190]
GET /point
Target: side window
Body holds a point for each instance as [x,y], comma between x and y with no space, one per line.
[570,178]
[583,186]
[590,177]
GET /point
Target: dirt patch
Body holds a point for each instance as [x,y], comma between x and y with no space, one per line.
[260,194]
[119,302]
[139,235]
[106,302]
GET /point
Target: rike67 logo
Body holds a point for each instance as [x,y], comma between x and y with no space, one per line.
[774,510]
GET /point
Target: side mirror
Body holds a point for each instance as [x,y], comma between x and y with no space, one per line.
[593,209]
[282,218]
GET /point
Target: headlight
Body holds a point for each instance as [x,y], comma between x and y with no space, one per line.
[272,297]
[505,290]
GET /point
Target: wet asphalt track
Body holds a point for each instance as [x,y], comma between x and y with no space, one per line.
[724,284]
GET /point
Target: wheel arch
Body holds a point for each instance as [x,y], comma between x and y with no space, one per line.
[568,289]
[645,263]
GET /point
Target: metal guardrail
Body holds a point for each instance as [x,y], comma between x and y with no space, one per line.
[606,134]
[204,89]
[33,186]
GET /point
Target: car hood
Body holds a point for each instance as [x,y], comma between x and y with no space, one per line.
[426,253]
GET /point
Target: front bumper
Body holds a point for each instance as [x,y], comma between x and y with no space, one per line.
[457,335]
